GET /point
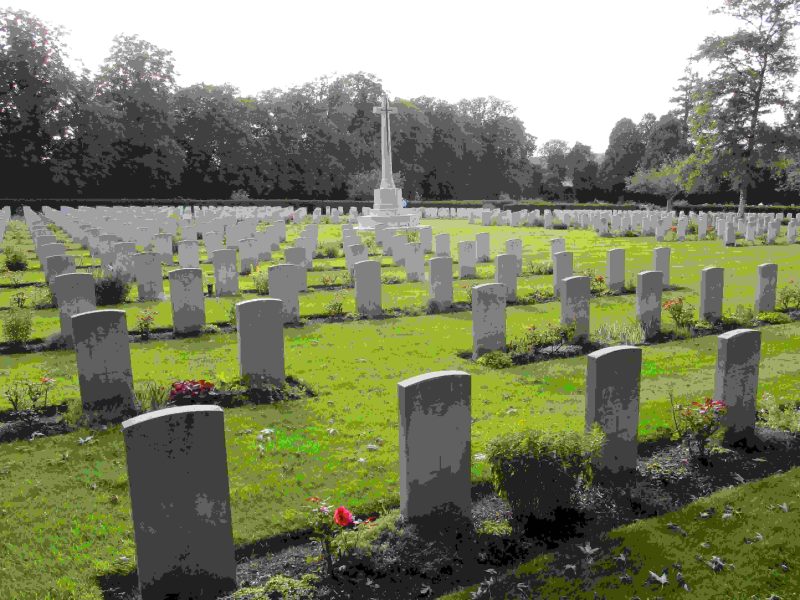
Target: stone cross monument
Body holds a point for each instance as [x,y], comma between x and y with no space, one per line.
[387,205]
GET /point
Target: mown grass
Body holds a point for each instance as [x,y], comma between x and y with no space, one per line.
[651,546]
[64,507]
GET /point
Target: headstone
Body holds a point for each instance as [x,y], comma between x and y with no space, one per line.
[443,244]
[189,254]
[736,381]
[767,286]
[259,327]
[435,448]
[426,239]
[103,357]
[515,247]
[488,318]
[123,260]
[414,261]
[612,400]
[712,281]
[441,282]
[162,245]
[188,305]
[649,287]
[74,294]
[248,256]
[575,295]
[562,268]
[180,503]
[149,279]
[466,259]
[557,245]
[226,276]
[615,269]
[506,274]
[297,256]
[367,275]
[661,263]
[284,284]
[58,264]
[482,247]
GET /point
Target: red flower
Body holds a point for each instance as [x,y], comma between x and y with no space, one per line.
[312,499]
[343,517]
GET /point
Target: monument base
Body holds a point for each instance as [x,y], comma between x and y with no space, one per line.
[387,211]
[390,218]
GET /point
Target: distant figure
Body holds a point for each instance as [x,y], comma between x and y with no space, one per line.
[404,203]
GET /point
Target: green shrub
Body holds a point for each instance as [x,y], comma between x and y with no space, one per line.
[540,268]
[14,259]
[537,471]
[151,396]
[43,298]
[779,413]
[496,360]
[335,308]
[536,296]
[283,587]
[682,312]
[612,334]
[789,296]
[110,288]
[743,316]
[535,339]
[328,250]
[774,318]
[261,282]
[18,325]
[392,278]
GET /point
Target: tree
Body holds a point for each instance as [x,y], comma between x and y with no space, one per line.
[752,74]
[138,80]
[583,169]
[685,97]
[36,101]
[554,154]
[625,150]
[664,181]
[665,141]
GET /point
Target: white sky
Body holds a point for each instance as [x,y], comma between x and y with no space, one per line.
[571,68]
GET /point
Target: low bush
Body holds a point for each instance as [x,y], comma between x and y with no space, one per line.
[612,334]
[743,316]
[335,308]
[779,413]
[18,325]
[261,282]
[539,268]
[682,312]
[538,471]
[496,360]
[14,259]
[144,322]
[534,339]
[789,296]
[151,396]
[697,422]
[43,298]
[774,318]
[328,250]
[110,288]
[392,278]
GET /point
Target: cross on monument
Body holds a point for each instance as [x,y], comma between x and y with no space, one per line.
[384,110]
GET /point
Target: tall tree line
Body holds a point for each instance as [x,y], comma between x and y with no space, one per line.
[129,131]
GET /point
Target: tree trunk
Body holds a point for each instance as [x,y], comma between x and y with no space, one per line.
[742,199]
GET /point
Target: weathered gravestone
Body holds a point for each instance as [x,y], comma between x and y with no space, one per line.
[562,268]
[712,282]
[226,276]
[180,503]
[615,269]
[505,272]
[297,256]
[466,259]
[441,282]
[736,381]
[557,245]
[162,245]
[147,272]
[74,294]
[189,254]
[435,449]
[767,287]
[488,318]
[284,284]
[58,264]
[443,244]
[259,327]
[103,358]
[575,295]
[661,263]
[482,247]
[123,260]
[649,287]
[514,247]
[188,305]
[612,401]
[367,275]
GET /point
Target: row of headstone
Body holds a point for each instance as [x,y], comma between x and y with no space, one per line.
[177,455]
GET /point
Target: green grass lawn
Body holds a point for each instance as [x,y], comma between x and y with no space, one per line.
[756,573]
[64,507]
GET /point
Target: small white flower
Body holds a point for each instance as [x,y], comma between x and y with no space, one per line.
[362,460]
[332,431]
[480,456]
[372,447]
